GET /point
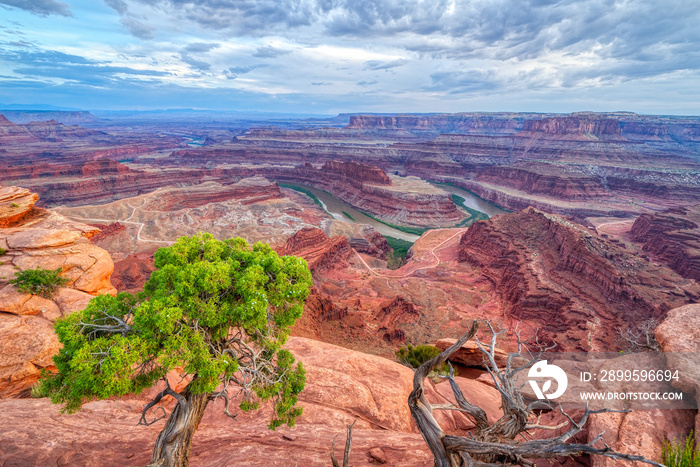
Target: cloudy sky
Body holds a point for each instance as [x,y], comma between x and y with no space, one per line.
[330,56]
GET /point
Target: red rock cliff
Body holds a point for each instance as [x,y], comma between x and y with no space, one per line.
[600,127]
[673,237]
[578,287]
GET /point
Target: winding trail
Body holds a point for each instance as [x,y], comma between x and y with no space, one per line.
[126,221]
[432,252]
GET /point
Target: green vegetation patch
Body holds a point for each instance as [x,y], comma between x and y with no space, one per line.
[302,190]
[399,251]
[470,192]
[474,215]
[681,454]
[39,281]
[414,357]
[346,214]
[409,230]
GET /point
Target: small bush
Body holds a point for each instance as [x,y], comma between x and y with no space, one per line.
[399,250]
[38,391]
[2,251]
[39,281]
[681,454]
[14,205]
[415,356]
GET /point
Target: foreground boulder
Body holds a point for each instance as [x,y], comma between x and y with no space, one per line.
[342,386]
[38,238]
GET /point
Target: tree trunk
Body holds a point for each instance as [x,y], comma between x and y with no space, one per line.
[174,443]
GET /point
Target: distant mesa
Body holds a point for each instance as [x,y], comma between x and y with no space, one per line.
[591,127]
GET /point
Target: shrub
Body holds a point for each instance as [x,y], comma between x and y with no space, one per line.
[14,205]
[681,453]
[2,251]
[415,356]
[39,281]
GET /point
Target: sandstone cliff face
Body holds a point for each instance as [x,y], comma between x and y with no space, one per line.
[15,204]
[356,173]
[576,126]
[645,432]
[673,237]
[448,123]
[561,186]
[47,240]
[31,132]
[577,287]
[317,249]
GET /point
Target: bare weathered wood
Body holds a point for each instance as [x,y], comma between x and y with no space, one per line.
[491,445]
[172,448]
[348,446]
[422,411]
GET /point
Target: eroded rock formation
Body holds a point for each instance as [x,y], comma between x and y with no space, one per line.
[50,241]
[673,238]
[576,286]
[317,249]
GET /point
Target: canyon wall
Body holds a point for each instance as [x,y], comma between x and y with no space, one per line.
[673,238]
[579,288]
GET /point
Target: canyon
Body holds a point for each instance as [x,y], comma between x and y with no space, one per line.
[594,229]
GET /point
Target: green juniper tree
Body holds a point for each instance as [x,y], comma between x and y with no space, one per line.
[220,311]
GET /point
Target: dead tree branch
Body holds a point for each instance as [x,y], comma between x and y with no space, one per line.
[495,444]
[348,444]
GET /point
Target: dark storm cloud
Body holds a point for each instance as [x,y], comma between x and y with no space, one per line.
[196,49]
[40,7]
[29,54]
[136,26]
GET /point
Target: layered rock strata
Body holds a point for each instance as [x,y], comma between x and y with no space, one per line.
[673,238]
[577,287]
[319,251]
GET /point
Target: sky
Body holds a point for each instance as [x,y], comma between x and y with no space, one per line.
[334,56]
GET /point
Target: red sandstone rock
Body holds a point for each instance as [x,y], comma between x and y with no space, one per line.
[672,237]
[679,337]
[577,287]
[470,355]
[107,231]
[15,203]
[318,250]
[578,126]
[249,190]
[132,272]
[640,432]
[49,241]
[342,386]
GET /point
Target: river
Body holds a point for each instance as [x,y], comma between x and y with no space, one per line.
[335,208]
